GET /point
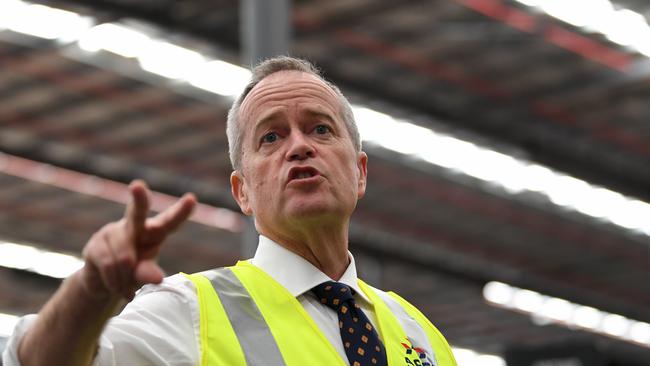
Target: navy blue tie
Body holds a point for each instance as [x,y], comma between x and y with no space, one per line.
[360,341]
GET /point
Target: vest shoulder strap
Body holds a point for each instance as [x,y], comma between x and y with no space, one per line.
[215,327]
[297,335]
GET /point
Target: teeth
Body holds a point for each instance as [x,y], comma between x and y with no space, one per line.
[303,175]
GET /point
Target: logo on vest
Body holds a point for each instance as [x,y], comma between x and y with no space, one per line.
[416,356]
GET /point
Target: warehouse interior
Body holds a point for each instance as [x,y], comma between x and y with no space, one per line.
[508,141]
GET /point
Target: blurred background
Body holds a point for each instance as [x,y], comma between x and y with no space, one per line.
[509,144]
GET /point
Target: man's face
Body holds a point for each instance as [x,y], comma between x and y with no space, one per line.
[298,160]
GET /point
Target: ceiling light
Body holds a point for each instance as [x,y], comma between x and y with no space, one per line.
[527,300]
[634,215]
[407,138]
[169,60]
[32,259]
[498,293]
[574,12]
[512,174]
[620,25]
[489,360]
[615,325]
[626,27]
[219,77]
[9,9]
[639,332]
[587,317]
[467,357]
[44,22]
[565,190]
[600,202]
[7,324]
[373,126]
[114,38]
[464,356]
[556,309]
[560,311]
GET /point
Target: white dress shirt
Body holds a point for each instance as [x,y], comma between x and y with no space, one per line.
[161,325]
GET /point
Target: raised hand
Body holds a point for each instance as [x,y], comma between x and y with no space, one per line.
[121,256]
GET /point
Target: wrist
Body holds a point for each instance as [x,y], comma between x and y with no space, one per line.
[86,283]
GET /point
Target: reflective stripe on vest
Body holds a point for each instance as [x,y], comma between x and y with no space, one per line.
[215,327]
[252,331]
[247,318]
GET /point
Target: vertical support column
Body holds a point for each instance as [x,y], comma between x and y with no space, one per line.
[249,238]
[265,29]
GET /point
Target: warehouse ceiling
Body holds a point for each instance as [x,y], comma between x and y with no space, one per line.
[494,72]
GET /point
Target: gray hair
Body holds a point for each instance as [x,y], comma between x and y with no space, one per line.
[261,71]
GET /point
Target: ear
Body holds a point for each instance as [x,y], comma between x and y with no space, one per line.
[238,190]
[362,165]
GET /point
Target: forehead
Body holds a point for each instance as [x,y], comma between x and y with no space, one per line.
[285,88]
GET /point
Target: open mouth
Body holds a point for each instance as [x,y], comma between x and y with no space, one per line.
[302,173]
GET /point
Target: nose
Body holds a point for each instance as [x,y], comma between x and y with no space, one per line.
[300,148]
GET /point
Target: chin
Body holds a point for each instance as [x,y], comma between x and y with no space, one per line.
[314,210]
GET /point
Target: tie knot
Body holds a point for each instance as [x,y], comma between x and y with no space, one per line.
[333,294]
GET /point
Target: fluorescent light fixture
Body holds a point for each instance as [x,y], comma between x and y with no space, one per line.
[498,293]
[7,324]
[512,174]
[219,77]
[615,325]
[575,12]
[557,309]
[587,317]
[528,300]
[626,27]
[43,21]
[546,309]
[622,26]
[468,357]
[8,11]
[43,262]
[114,38]
[639,332]
[169,60]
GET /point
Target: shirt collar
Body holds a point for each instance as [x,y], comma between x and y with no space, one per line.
[294,272]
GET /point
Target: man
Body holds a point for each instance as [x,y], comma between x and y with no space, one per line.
[299,170]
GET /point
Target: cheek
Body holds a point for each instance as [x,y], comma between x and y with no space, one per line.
[348,171]
[260,176]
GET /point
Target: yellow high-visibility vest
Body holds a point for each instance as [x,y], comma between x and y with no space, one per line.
[248,318]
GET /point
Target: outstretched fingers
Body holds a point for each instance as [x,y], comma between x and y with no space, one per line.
[136,210]
[156,229]
[171,218]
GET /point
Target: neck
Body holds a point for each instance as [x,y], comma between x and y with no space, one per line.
[323,247]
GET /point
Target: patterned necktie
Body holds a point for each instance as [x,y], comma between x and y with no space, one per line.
[362,345]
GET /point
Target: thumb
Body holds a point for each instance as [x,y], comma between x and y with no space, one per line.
[148,271]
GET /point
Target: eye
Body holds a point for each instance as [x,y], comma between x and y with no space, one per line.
[269,137]
[322,129]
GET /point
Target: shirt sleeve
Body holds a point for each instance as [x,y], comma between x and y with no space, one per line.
[159,327]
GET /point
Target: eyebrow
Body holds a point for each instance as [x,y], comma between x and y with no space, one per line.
[269,117]
[273,114]
[316,113]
